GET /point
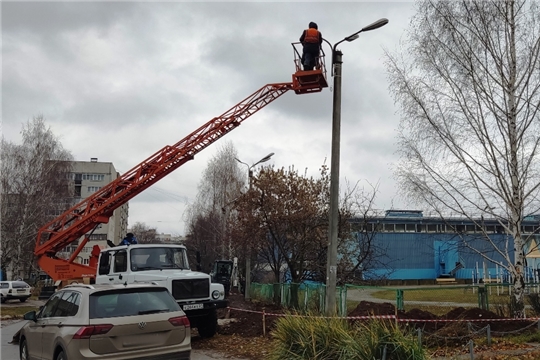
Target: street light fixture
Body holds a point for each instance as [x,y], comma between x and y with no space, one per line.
[247,286]
[331,266]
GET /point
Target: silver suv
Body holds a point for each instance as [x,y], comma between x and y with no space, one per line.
[138,321]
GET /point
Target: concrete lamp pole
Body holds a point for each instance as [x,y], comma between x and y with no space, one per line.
[331,265]
[248,255]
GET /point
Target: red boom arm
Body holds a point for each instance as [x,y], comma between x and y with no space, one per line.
[97,209]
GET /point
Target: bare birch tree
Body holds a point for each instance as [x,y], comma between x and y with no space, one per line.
[467,81]
[209,217]
[360,252]
[35,188]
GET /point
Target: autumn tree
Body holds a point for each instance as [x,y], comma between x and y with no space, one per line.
[284,219]
[467,81]
[34,189]
[209,218]
[143,233]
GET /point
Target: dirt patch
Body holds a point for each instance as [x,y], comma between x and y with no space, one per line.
[248,317]
[367,308]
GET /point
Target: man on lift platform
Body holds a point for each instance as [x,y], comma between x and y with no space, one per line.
[311,40]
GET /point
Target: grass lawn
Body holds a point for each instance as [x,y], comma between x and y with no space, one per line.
[16,312]
[458,295]
[438,295]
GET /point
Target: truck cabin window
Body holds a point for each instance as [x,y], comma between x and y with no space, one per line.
[158,258]
[120,261]
[104,263]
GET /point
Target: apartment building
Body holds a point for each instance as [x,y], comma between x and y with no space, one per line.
[89,177]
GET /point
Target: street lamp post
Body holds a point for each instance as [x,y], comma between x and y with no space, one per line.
[248,252]
[331,265]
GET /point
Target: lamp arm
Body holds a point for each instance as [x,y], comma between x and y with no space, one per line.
[331,48]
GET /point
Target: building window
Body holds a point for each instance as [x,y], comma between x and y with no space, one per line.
[528,229]
[400,227]
[410,227]
[98,237]
[92,189]
[432,228]
[93,177]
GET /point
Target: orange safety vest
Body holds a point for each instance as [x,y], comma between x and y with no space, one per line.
[312,36]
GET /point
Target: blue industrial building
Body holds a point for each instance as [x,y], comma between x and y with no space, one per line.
[418,247]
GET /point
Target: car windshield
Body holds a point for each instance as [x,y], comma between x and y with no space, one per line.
[158,258]
[130,302]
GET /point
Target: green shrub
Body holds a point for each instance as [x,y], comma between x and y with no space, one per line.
[376,335]
[313,337]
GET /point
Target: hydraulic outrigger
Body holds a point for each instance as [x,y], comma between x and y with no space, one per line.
[84,217]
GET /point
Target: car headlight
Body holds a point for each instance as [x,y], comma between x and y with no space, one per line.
[216,294]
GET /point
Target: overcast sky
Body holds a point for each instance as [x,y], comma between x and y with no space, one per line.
[119,81]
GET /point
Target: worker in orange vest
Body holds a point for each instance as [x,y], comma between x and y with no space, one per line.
[311,40]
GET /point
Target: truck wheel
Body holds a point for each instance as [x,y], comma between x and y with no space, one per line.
[22,299]
[208,327]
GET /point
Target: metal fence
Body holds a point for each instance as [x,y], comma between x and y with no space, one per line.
[302,297]
[435,298]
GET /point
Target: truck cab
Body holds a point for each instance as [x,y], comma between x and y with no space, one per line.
[166,265]
[221,274]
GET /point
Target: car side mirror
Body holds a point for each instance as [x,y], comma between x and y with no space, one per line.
[30,316]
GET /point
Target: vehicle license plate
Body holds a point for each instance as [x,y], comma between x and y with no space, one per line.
[20,290]
[193,306]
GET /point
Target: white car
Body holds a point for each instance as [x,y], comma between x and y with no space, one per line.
[14,290]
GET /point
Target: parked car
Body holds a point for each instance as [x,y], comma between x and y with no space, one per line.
[14,290]
[137,321]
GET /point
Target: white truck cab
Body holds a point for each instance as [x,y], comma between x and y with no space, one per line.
[166,265]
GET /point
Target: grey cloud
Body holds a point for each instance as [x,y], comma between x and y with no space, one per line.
[47,18]
[152,72]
